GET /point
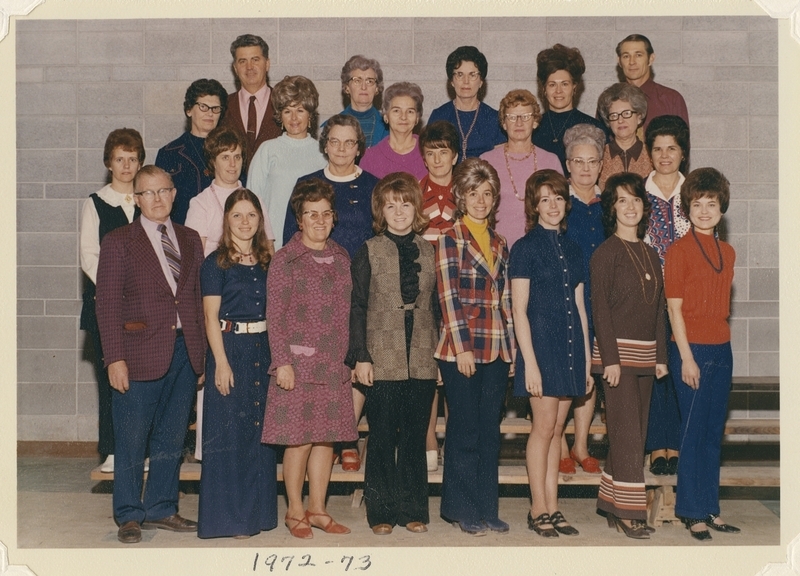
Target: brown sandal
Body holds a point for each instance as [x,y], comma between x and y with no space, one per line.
[298,530]
[330,527]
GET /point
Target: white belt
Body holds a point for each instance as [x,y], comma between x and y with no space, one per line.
[243,327]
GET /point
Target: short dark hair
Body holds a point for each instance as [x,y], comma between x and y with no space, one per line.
[633,184]
[246,40]
[705,183]
[560,57]
[466,54]
[205,87]
[311,190]
[439,134]
[533,193]
[635,38]
[219,140]
[406,188]
[342,120]
[668,125]
[126,138]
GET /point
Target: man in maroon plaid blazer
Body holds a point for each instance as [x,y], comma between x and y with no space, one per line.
[150,314]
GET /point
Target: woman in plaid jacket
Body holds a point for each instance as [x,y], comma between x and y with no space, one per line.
[475,348]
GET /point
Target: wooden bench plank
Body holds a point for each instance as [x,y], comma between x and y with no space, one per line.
[517,474]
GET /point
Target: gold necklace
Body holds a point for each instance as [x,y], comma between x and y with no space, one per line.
[508,167]
[641,269]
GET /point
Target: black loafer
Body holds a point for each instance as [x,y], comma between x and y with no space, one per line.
[659,467]
[709,520]
[174,523]
[700,534]
[561,525]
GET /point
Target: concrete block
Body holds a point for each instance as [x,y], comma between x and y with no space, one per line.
[46,332]
[581,24]
[110,25]
[79,191]
[78,73]
[38,99]
[331,74]
[220,72]
[45,165]
[161,130]
[763,251]
[87,402]
[512,47]
[236,26]
[59,49]
[46,132]
[144,73]
[596,47]
[86,427]
[33,190]
[646,24]
[30,307]
[764,283]
[754,309]
[432,73]
[91,167]
[299,47]
[449,25]
[764,166]
[763,335]
[45,25]
[715,23]
[740,243]
[715,47]
[745,73]
[754,190]
[386,24]
[738,335]
[110,98]
[190,25]
[46,428]
[709,99]
[46,366]
[732,163]
[763,47]
[762,23]
[764,133]
[740,365]
[709,132]
[311,25]
[392,48]
[177,46]
[763,99]
[764,216]
[432,49]
[30,74]
[46,249]
[764,363]
[740,291]
[94,130]
[64,308]
[165,98]
[502,23]
[111,47]
[47,282]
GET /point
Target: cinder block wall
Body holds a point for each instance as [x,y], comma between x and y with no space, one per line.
[78,80]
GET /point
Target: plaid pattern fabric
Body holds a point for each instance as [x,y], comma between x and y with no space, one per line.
[475,299]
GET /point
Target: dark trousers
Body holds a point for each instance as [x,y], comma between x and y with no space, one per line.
[622,489]
[396,475]
[703,414]
[105,433]
[472,441]
[664,427]
[160,409]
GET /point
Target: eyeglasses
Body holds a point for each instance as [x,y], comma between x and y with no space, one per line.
[326,215]
[614,116]
[514,117]
[206,108]
[336,143]
[150,194]
[358,81]
[471,76]
[581,163]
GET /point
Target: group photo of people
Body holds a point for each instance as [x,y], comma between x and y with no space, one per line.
[274,276]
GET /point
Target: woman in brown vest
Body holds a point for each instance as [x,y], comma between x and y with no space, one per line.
[392,339]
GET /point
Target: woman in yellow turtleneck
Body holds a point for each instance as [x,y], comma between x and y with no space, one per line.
[475,348]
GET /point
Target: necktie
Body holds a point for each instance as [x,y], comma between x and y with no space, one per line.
[251,123]
[170,252]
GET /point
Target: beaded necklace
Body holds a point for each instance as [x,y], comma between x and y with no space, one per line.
[703,252]
[465,137]
[508,167]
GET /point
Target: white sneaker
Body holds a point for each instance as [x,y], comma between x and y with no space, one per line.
[108,465]
[433,460]
[147,464]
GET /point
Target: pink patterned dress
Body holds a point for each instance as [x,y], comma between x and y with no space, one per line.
[308,313]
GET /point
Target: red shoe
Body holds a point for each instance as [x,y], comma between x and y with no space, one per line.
[330,527]
[351,462]
[589,464]
[567,466]
[300,528]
